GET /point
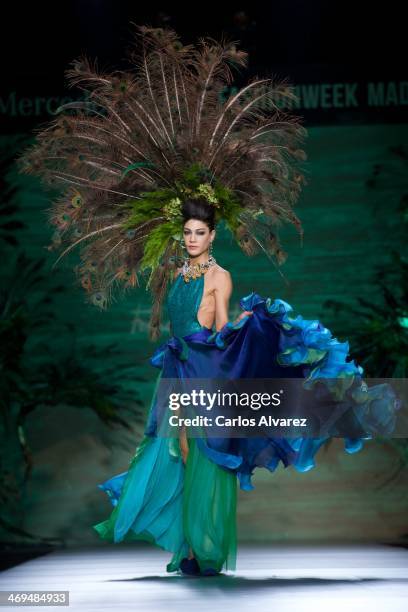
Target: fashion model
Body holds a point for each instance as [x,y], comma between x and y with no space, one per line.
[150,163]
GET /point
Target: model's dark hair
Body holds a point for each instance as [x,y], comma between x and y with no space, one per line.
[198,209]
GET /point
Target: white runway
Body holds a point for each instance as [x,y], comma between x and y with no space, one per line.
[281,578]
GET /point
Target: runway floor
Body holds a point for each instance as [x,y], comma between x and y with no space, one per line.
[280,578]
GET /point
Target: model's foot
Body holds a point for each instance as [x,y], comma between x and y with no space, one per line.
[210,571]
[189,566]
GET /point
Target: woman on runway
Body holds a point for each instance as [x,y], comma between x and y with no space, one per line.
[151,163]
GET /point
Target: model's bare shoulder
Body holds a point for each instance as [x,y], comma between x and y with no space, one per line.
[220,277]
[218,269]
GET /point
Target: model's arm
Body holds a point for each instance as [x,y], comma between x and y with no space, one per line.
[222,292]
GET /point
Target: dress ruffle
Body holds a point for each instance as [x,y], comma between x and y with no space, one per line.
[155,500]
[285,346]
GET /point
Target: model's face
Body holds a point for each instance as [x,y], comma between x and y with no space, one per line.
[197,237]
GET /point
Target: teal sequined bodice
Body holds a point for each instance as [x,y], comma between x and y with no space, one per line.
[183,302]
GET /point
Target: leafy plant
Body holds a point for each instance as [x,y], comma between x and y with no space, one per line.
[380,335]
[33,371]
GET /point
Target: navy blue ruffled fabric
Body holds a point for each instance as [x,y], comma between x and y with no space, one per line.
[272,344]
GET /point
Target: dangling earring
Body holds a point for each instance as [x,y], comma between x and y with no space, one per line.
[211,247]
[182,244]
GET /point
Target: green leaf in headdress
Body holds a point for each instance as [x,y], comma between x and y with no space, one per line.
[147,207]
[156,244]
[195,174]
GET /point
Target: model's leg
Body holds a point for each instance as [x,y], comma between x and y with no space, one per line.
[184,453]
[209,510]
[183,443]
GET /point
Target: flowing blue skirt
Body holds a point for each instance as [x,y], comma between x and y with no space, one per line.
[151,498]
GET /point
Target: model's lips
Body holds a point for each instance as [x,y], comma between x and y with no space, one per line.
[193,246]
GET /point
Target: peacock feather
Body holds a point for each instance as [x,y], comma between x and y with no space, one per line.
[142,139]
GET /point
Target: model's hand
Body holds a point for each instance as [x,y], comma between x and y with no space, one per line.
[242,315]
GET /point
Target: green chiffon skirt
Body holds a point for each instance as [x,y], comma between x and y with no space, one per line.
[175,506]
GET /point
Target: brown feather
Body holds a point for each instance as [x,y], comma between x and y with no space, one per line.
[138,129]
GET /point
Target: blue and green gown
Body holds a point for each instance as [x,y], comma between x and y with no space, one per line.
[176,506]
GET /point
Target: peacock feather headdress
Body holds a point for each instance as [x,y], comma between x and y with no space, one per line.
[141,141]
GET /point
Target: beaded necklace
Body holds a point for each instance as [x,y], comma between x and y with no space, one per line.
[196,270]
